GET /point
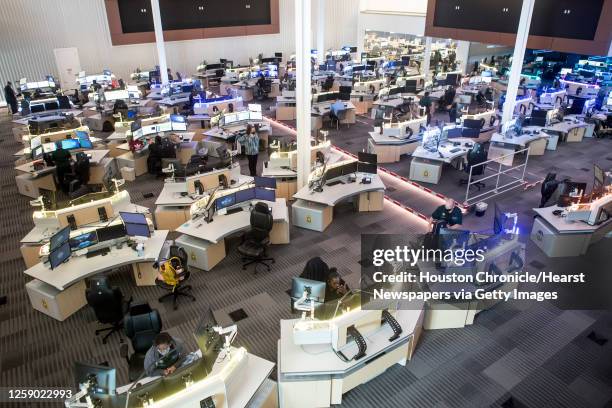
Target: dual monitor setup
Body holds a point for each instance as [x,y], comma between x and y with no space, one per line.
[265,189]
[241,117]
[61,244]
[366,163]
[176,123]
[82,141]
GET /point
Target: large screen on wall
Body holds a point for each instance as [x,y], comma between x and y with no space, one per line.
[572,19]
[136,16]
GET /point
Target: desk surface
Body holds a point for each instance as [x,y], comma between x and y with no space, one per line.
[81,267]
[561,224]
[227,132]
[565,126]
[47,116]
[225,225]
[390,140]
[324,108]
[277,172]
[96,158]
[320,359]
[521,140]
[334,194]
[445,149]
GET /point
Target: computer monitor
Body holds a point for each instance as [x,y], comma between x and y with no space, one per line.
[371,158]
[244,116]
[472,123]
[410,86]
[37,152]
[345,89]
[111,232]
[70,144]
[51,105]
[454,132]
[265,194]
[367,168]
[349,168]
[106,377]
[256,116]
[245,195]
[599,174]
[175,382]
[333,172]
[225,201]
[451,239]
[59,238]
[59,255]
[572,194]
[209,342]
[254,107]
[38,108]
[315,289]
[267,182]
[178,122]
[136,224]
[465,99]
[84,240]
[470,132]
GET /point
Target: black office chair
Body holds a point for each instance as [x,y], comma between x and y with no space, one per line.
[339,117]
[549,186]
[64,102]
[256,241]
[315,269]
[108,304]
[141,324]
[476,156]
[181,288]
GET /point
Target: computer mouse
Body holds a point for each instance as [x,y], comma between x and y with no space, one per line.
[557,212]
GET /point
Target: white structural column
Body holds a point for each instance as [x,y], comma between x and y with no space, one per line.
[303,95]
[426,58]
[159,41]
[321,30]
[463,54]
[522,35]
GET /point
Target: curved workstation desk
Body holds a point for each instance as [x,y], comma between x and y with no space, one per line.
[396,139]
[315,210]
[313,375]
[560,236]
[205,242]
[426,165]
[502,148]
[61,292]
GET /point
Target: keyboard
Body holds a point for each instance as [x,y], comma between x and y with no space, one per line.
[333,183]
[101,251]
[455,150]
[234,210]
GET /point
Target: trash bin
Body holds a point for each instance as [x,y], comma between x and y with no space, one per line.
[481,209]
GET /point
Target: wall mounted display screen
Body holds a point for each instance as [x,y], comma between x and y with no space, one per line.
[131,21]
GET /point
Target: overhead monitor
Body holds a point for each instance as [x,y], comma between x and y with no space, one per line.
[59,255]
[245,195]
[70,144]
[115,95]
[256,116]
[225,201]
[59,238]
[243,116]
[83,241]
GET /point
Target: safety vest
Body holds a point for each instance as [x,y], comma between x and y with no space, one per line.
[168,272]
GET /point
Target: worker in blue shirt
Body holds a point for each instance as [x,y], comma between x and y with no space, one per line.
[250,141]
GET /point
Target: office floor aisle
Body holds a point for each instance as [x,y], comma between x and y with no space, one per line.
[481,365]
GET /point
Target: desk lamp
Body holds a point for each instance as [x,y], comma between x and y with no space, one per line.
[39,202]
[118,183]
[169,170]
[230,333]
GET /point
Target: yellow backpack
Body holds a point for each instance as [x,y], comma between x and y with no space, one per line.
[168,271]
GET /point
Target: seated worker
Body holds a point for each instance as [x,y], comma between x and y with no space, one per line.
[328,84]
[261,81]
[154,163]
[448,214]
[63,164]
[164,356]
[425,102]
[335,286]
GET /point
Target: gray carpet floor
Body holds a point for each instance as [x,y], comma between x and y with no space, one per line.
[533,356]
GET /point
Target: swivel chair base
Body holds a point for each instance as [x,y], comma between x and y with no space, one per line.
[112,329]
[257,261]
[178,291]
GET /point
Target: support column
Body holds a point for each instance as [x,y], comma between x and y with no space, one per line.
[522,35]
[303,95]
[426,58]
[321,31]
[463,54]
[159,41]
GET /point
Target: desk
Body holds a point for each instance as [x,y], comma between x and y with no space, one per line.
[285,108]
[426,166]
[60,292]
[388,149]
[501,146]
[314,210]
[205,242]
[227,132]
[320,110]
[286,180]
[201,108]
[313,376]
[570,130]
[557,237]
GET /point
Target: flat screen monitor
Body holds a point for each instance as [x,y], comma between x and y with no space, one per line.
[38,108]
[51,105]
[265,194]
[315,289]
[367,157]
[367,168]
[470,132]
[333,172]
[137,230]
[111,232]
[59,238]
[133,218]
[115,95]
[349,168]
[225,201]
[472,123]
[37,152]
[256,116]
[70,144]
[454,132]
[465,99]
[243,116]
[245,195]
[148,130]
[230,118]
[164,127]
[267,182]
[83,241]
[59,255]
[106,377]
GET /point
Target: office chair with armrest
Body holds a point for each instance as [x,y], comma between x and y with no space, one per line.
[338,117]
[255,242]
[549,186]
[141,324]
[476,156]
[178,287]
[108,305]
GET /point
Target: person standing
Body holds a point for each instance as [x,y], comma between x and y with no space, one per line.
[63,164]
[250,141]
[10,97]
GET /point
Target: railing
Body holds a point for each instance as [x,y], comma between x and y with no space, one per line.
[498,189]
